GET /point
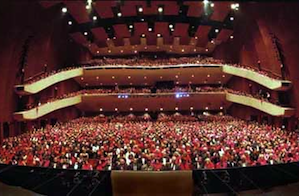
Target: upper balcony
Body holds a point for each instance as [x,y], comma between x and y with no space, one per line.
[99,101]
[195,73]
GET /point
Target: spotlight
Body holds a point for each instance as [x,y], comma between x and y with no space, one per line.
[231,37]
[131,109]
[208,75]
[160,9]
[150,29]
[146,109]
[115,109]
[101,109]
[131,26]
[64,10]
[98,52]
[70,22]
[129,77]
[191,108]
[142,35]
[205,1]
[207,49]
[231,18]
[94,18]
[183,50]
[85,33]
[158,35]
[216,30]
[176,108]
[170,26]
[140,9]
[221,108]
[207,108]
[87,7]
[161,109]
[119,14]
[212,4]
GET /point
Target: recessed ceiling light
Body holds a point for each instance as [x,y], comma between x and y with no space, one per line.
[131,26]
[64,10]
[94,17]
[231,37]
[160,9]
[216,30]
[232,18]
[170,26]
[140,9]
[158,35]
[150,29]
[119,14]
[70,22]
[85,33]
[176,108]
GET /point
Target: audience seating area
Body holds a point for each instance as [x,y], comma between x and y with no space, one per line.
[173,142]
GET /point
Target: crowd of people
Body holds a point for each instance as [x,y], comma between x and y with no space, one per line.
[149,62]
[132,90]
[168,143]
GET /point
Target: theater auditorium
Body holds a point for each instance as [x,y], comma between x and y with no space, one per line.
[149,98]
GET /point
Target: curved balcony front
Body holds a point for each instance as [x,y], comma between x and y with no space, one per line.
[47,108]
[261,105]
[270,83]
[143,102]
[220,69]
[43,83]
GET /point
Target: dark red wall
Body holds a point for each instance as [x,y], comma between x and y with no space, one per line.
[50,45]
